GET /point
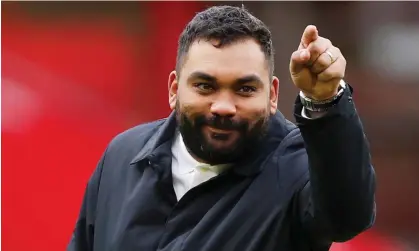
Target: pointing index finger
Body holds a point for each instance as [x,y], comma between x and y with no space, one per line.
[310,34]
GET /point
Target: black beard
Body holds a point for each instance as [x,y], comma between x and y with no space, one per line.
[197,144]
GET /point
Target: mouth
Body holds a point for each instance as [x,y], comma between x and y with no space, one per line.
[221,134]
[219,131]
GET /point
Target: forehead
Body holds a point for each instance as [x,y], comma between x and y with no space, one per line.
[230,61]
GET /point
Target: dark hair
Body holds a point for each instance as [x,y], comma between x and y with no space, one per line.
[227,24]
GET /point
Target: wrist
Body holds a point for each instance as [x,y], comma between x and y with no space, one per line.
[323,97]
[322,104]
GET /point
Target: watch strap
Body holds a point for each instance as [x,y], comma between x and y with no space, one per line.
[322,105]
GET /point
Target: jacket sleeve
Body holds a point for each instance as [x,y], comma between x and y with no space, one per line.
[83,233]
[337,203]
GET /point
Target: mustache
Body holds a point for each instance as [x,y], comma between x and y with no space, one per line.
[222,123]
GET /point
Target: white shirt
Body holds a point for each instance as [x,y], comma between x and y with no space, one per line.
[186,171]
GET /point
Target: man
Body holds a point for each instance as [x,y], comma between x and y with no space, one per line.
[226,171]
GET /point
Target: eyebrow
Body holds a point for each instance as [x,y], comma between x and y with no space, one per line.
[203,76]
[240,81]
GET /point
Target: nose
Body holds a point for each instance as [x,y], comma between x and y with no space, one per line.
[224,107]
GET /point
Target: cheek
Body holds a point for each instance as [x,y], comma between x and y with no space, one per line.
[193,103]
[191,108]
[255,115]
[187,96]
[254,109]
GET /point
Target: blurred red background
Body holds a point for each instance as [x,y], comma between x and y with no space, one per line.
[74,75]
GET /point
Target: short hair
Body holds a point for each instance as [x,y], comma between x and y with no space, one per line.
[227,24]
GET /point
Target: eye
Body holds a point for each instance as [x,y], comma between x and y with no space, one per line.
[204,87]
[247,89]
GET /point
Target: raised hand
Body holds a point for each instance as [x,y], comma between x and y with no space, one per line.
[317,67]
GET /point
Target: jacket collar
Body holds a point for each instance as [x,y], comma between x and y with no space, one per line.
[278,128]
[164,133]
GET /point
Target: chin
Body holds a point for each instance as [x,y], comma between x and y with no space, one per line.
[219,145]
[222,148]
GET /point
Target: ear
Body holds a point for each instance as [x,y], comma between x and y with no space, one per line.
[173,88]
[273,95]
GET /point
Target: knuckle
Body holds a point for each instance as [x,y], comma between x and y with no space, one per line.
[338,53]
[314,47]
[327,41]
[294,55]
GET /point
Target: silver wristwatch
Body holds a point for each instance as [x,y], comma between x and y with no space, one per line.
[322,105]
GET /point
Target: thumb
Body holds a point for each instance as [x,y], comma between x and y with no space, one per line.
[299,59]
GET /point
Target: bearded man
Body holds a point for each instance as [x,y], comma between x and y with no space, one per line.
[226,170]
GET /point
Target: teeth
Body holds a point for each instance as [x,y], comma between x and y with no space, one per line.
[220,131]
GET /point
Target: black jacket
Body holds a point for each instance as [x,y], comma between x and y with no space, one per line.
[305,188]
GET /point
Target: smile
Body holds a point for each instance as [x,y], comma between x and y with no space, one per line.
[219,131]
